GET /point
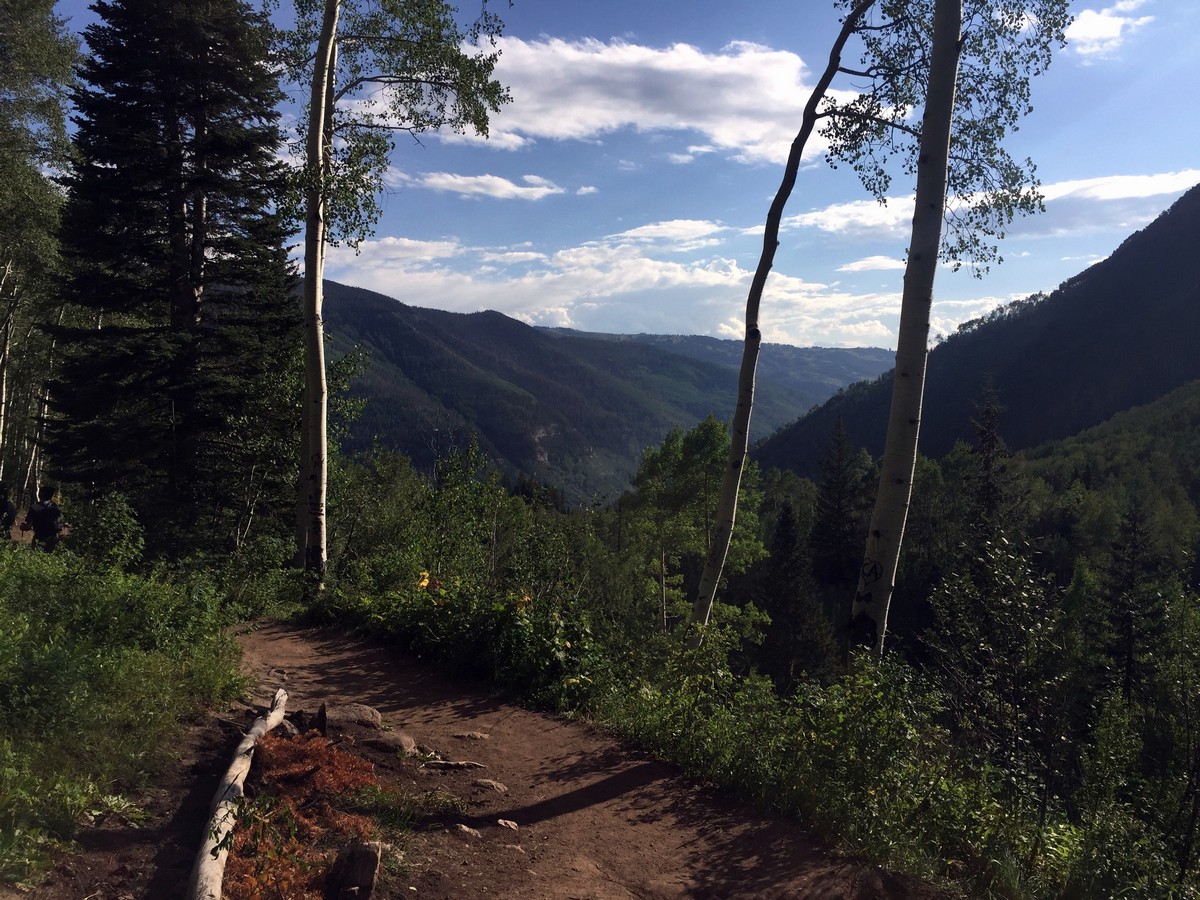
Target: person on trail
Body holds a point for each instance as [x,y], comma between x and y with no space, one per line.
[45,519]
[8,512]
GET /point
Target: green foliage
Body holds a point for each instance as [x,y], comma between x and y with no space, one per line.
[460,571]
[95,668]
[1002,758]
[402,66]
[178,342]
[106,531]
[1001,51]
[672,509]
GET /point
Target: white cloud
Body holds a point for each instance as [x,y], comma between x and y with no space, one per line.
[746,100]
[622,279]
[392,251]
[858,217]
[1100,33]
[1123,187]
[872,264]
[640,279]
[676,234]
[1128,202]
[511,257]
[587,189]
[534,188]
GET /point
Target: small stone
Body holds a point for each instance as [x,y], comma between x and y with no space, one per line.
[468,830]
[493,785]
[473,736]
[354,714]
[393,742]
[287,729]
[507,823]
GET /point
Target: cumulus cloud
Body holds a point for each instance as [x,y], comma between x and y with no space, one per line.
[511,257]
[676,234]
[1123,187]
[1100,33]
[858,218]
[626,278]
[391,251]
[1116,204]
[745,100]
[1109,203]
[534,188]
[872,264]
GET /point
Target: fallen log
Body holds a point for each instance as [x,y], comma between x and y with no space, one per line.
[209,869]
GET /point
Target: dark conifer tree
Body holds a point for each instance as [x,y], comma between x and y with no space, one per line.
[172,387]
[837,533]
[1136,608]
[994,497]
[799,641]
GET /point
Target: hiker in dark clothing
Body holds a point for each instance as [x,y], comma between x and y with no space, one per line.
[45,518]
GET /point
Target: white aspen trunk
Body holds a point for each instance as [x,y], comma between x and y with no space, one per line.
[869,613]
[5,358]
[5,346]
[314,462]
[33,474]
[740,432]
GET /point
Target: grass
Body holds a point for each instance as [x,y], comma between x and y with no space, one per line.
[97,667]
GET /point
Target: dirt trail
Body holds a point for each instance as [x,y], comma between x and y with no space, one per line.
[595,821]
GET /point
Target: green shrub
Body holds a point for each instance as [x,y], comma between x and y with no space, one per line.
[96,667]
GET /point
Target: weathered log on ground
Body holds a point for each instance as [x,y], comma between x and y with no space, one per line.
[209,869]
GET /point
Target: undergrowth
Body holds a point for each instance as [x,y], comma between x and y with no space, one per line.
[96,668]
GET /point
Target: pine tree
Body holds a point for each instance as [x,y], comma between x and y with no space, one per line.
[1136,608]
[836,531]
[173,368]
[994,498]
[799,641]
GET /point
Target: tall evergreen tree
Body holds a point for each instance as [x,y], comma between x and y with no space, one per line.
[994,495]
[170,385]
[837,526]
[799,641]
[1136,608]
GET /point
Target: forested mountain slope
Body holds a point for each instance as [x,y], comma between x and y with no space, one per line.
[1120,334]
[574,411]
[814,373]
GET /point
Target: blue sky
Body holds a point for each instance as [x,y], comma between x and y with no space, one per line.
[624,188]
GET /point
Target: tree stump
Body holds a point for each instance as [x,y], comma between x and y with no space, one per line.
[353,874]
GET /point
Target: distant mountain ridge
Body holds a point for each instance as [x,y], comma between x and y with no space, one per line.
[573,410]
[1119,334]
[814,373]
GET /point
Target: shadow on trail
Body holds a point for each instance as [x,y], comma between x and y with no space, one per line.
[586,786]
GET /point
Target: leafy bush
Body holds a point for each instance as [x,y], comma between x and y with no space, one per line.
[95,669]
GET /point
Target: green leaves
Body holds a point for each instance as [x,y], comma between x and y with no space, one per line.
[401,66]
[1003,47]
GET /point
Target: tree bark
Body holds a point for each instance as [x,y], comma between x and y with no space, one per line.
[740,432]
[869,613]
[314,459]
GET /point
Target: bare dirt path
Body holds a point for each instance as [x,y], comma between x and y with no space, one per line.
[594,820]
